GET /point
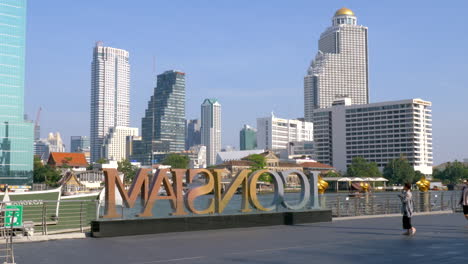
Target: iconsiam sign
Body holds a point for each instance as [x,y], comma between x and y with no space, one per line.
[171,180]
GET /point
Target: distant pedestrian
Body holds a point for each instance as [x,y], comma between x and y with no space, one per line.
[464,199]
[406,198]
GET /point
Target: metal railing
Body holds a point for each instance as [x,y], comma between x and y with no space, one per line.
[343,205]
[53,217]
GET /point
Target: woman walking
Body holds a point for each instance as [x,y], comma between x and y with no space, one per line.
[464,199]
[406,198]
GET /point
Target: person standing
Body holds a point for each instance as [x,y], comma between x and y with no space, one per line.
[406,198]
[464,199]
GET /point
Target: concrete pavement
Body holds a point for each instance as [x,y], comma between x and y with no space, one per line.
[439,239]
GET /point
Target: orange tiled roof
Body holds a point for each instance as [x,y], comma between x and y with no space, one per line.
[70,159]
[317,165]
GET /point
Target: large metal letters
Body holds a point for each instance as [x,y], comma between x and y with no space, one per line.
[163,187]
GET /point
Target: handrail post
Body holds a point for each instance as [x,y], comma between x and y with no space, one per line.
[441,201]
[81,217]
[387,205]
[355,207]
[338,206]
[45,218]
[44,224]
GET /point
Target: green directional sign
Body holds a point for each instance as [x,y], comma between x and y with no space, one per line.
[18,220]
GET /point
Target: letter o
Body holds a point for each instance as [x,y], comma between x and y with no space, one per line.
[279,190]
[305,189]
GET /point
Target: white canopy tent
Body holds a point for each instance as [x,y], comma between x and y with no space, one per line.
[354,179]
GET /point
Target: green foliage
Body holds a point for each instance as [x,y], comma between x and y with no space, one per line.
[129,171]
[176,161]
[65,163]
[331,174]
[359,167]
[101,161]
[400,171]
[454,173]
[45,173]
[259,163]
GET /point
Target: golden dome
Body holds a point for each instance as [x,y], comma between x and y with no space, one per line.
[344,12]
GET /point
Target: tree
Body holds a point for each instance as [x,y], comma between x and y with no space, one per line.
[129,171]
[45,173]
[258,162]
[101,161]
[331,174]
[359,167]
[176,161]
[453,173]
[400,171]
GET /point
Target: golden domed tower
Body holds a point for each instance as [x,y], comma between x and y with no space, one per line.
[344,16]
[340,68]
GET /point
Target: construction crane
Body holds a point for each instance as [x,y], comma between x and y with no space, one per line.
[37,126]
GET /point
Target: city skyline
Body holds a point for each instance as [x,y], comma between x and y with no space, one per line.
[388,82]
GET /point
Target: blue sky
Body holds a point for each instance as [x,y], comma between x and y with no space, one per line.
[251,55]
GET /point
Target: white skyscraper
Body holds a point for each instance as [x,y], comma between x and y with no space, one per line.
[211,129]
[340,68]
[115,142]
[110,94]
[275,133]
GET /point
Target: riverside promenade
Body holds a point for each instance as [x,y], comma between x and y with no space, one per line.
[440,238]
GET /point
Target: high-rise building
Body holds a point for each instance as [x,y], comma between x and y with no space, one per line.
[114,146]
[248,138]
[79,143]
[377,132]
[340,68]
[110,94]
[41,149]
[55,142]
[163,127]
[275,133]
[193,133]
[16,134]
[211,129]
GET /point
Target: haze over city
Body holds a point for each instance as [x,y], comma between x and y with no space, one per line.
[252,56]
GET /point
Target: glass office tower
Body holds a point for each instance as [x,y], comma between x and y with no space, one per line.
[163,127]
[16,134]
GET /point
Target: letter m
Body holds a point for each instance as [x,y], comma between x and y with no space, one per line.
[112,182]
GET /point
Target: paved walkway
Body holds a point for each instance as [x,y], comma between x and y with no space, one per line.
[439,239]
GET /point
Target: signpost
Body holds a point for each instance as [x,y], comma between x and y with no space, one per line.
[18,219]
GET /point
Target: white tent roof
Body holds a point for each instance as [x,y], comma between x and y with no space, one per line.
[357,179]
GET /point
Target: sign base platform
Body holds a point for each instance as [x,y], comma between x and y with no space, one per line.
[113,228]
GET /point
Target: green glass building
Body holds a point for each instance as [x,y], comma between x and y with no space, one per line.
[248,138]
[16,134]
[163,127]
